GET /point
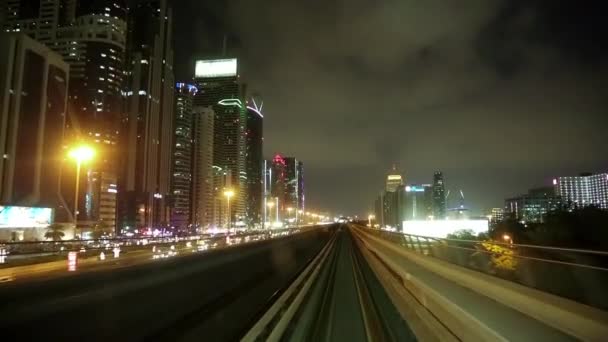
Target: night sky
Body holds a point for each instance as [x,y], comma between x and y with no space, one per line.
[499,95]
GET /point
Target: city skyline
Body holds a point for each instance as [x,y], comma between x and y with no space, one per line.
[487,165]
[417,92]
[303,170]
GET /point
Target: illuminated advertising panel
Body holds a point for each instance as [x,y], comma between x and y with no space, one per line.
[25,217]
[441,228]
[414,188]
[215,68]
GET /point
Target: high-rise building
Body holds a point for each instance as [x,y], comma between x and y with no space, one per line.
[495,215]
[416,206]
[144,196]
[100,198]
[379,209]
[278,174]
[294,188]
[181,175]
[33,95]
[533,206]
[393,180]
[90,36]
[267,187]
[439,197]
[202,168]
[301,189]
[584,190]
[218,87]
[254,142]
[392,208]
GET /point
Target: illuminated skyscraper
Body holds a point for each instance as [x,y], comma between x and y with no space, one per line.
[294,186]
[393,180]
[218,88]
[254,142]
[202,215]
[416,203]
[278,181]
[181,175]
[439,200]
[148,123]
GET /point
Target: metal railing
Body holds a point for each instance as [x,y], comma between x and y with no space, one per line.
[577,274]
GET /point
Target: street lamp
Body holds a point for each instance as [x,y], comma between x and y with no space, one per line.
[289,210]
[80,154]
[507,238]
[270,205]
[229,194]
[276,209]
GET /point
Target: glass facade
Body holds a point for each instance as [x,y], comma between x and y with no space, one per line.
[534,206]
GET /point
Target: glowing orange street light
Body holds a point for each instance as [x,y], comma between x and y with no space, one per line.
[80,154]
[229,194]
[370,218]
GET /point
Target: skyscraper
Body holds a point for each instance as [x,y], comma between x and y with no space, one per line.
[393,180]
[33,95]
[181,175]
[294,187]
[278,175]
[416,205]
[301,187]
[584,190]
[218,88]
[254,140]
[148,123]
[90,36]
[439,200]
[202,168]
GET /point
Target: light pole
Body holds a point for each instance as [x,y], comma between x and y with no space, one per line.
[270,205]
[289,210]
[276,209]
[80,154]
[229,194]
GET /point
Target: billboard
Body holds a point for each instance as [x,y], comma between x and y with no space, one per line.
[25,217]
[441,228]
[215,68]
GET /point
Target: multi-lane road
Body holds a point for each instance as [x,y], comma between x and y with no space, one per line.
[215,295]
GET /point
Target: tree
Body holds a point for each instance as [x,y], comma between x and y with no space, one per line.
[585,228]
[100,229]
[54,232]
[463,234]
[511,227]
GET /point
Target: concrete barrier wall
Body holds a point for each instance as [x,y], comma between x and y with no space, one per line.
[581,321]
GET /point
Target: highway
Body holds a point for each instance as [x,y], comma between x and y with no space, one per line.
[215,295]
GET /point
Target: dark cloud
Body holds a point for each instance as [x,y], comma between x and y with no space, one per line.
[501,95]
